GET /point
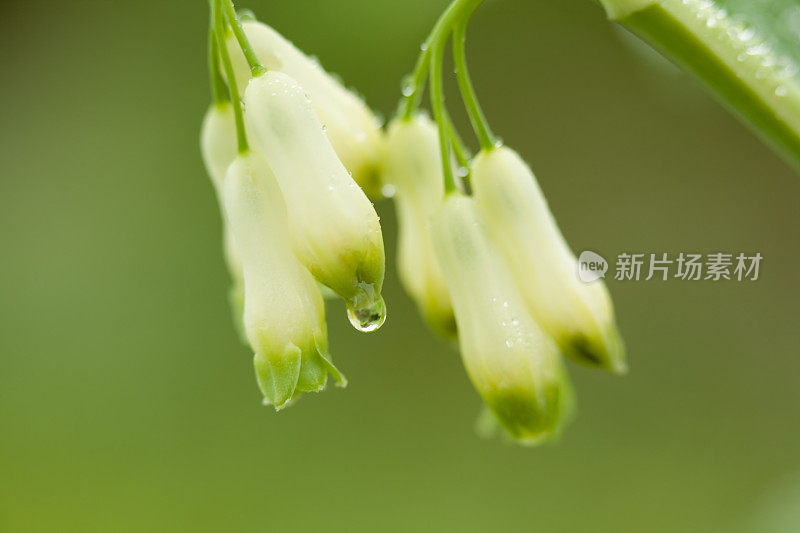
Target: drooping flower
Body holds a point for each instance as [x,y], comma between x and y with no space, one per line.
[218,148]
[513,364]
[579,316]
[284,314]
[352,127]
[335,230]
[413,166]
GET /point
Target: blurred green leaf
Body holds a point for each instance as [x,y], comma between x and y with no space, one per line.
[745,52]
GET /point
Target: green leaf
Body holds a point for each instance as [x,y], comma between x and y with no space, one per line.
[747,53]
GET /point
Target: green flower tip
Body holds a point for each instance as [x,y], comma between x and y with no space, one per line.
[441,320]
[606,351]
[526,417]
[284,377]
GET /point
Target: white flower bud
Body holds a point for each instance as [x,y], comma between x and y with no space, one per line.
[577,315]
[284,314]
[219,148]
[334,227]
[413,165]
[352,127]
[218,142]
[513,364]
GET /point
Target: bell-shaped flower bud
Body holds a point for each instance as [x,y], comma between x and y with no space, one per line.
[513,364]
[578,315]
[218,142]
[413,165]
[219,148]
[334,227]
[284,314]
[352,127]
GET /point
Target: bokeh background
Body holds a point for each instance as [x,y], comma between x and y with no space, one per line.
[127,403]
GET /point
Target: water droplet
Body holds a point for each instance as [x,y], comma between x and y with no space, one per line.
[324,128]
[407,86]
[788,68]
[462,172]
[246,15]
[388,190]
[758,50]
[368,318]
[781,90]
[423,46]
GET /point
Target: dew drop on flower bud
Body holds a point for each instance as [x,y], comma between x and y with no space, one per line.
[368,318]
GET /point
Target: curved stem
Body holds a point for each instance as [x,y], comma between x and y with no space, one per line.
[476,116]
[460,150]
[256,68]
[413,99]
[437,103]
[443,25]
[241,135]
[218,88]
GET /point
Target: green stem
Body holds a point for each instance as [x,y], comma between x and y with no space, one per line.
[734,64]
[437,103]
[256,68]
[241,135]
[476,116]
[460,150]
[443,25]
[218,88]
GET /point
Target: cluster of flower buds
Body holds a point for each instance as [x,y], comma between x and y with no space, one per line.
[295,221]
[485,261]
[291,156]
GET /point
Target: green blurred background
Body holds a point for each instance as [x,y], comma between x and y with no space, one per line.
[127,403]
